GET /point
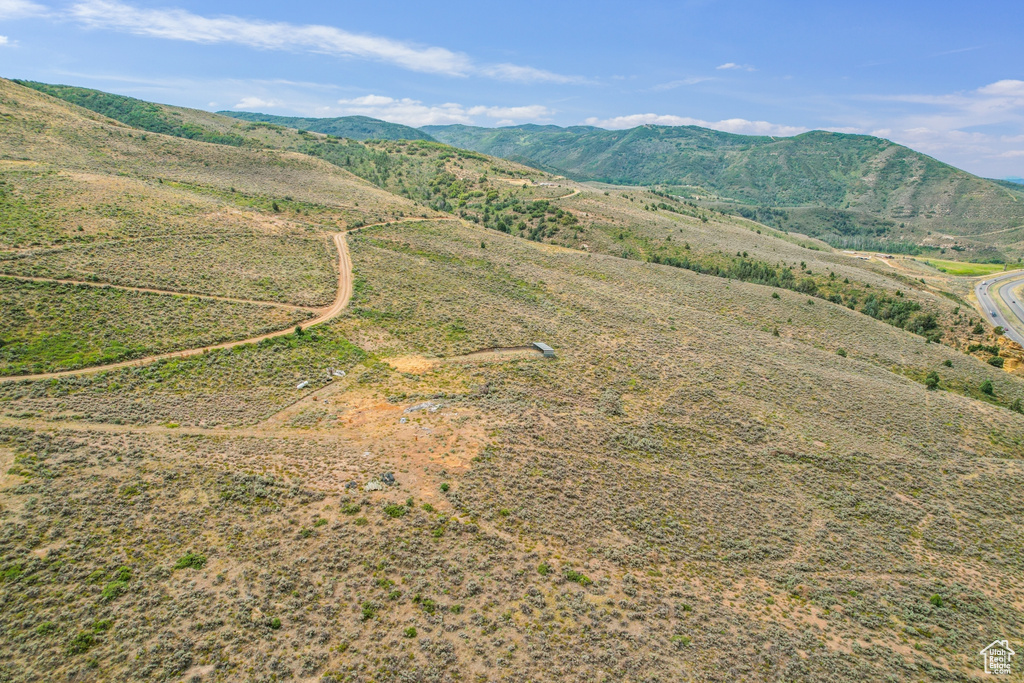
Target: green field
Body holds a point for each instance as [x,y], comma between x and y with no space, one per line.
[964,268]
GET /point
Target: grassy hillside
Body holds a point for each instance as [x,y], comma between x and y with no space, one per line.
[107,232]
[669,475]
[353,127]
[870,189]
[506,197]
[136,113]
[744,434]
[855,192]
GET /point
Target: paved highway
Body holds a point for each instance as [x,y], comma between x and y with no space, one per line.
[1013,328]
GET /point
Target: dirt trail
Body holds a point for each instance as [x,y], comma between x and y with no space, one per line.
[340,302]
[150,290]
[344,294]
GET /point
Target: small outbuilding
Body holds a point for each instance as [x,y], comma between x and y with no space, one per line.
[545,349]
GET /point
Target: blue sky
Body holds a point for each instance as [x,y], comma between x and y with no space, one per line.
[946,78]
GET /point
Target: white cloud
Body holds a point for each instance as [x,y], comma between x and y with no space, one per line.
[735,66]
[525,74]
[693,80]
[415,113]
[4,40]
[741,126]
[979,130]
[179,24]
[530,112]
[17,9]
[250,103]
[1004,88]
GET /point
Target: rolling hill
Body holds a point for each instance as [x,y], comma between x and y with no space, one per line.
[855,191]
[353,127]
[744,434]
[155,118]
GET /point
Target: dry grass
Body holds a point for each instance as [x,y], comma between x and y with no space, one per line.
[51,327]
[285,268]
[698,463]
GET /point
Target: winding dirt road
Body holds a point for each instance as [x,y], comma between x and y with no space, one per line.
[340,302]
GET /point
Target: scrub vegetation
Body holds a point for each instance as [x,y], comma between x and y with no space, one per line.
[283,268]
[51,326]
[746,440]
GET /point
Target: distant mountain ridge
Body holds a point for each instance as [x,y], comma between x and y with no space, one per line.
[352,127]
[838,186]
[852,191]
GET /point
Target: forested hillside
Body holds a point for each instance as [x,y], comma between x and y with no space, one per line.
[353,127]
[874,193]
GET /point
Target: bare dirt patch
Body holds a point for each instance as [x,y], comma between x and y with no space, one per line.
[371,435]
[416,365]
[6,478]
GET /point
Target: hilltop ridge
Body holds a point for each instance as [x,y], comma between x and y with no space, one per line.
[354,127]
[854,191]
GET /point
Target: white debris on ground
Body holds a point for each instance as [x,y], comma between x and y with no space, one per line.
[302,384]
[426,405]
[378,483]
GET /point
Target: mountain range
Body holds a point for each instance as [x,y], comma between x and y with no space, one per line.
[852,191]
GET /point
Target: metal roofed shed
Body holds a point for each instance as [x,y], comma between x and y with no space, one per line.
[545,349]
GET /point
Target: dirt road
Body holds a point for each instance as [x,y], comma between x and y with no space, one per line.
[340,302]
